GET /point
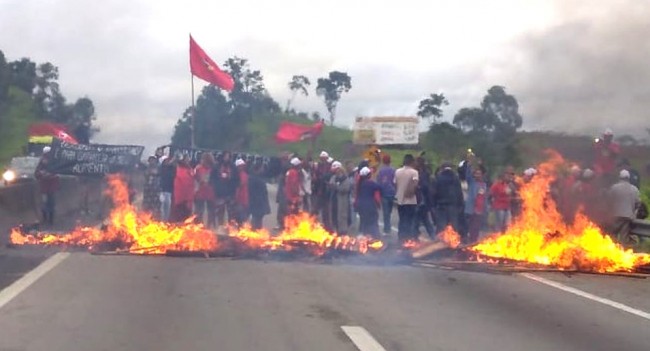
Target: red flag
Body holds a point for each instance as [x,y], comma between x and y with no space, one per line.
[55,130]
[203,67]
[293,132]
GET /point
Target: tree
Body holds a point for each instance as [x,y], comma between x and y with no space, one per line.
[249,95]
[331,89]
[23,74]
[430,107]
[506,109]
[297,84]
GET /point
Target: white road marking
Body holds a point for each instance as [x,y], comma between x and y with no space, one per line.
[589,296]
[13,290]
[362,339]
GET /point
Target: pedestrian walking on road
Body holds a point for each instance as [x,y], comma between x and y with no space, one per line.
[406,182]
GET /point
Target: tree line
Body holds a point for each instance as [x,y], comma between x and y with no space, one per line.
[31,91]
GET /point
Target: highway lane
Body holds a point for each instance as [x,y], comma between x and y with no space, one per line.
[139,303]
[144,303]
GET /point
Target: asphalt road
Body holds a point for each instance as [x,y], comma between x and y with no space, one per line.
[159,303]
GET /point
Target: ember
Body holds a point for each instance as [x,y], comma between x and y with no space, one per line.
[539,235]
[139,233]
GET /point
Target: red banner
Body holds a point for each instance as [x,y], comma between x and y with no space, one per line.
[293,132]
[203,67]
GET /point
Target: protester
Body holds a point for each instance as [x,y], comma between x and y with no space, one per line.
[624,199]
[340,187]
[424,198]
[48,185]
[151,191]
[320,190]
[242,193]
[386,180]
[447,198]
[280,197]
[225,180]
[204,198]
[167,173]
[476,202]
[258,197]
[406,182]
[606,153]
[183,190]
[501,195]
[367,202]
[635,177]
[293,186]
[306,188]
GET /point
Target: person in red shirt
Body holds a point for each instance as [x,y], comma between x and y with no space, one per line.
[292,186]
[241,195]
[606,153]
[183,190]
[204,198]
[501,194]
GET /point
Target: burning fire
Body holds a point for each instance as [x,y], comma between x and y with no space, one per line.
[138,232]
[450,237]
[539,235]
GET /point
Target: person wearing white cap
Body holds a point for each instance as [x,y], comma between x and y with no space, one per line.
[529,173]
[606,153]
[341,188]
[47,149]
[324,155]
[624,200]
[368,200]
[292,187]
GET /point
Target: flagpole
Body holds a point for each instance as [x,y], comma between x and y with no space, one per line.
[192,114]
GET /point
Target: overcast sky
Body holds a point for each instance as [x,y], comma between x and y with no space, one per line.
[574,66]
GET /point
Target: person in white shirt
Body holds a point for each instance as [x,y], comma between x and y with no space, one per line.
[624,200]
[406,182]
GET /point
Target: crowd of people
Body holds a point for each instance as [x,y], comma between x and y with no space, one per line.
[360,198]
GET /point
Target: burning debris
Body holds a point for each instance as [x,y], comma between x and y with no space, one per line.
[538,239]
[128,230]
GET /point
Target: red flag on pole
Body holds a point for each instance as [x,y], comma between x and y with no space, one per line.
[55,130]
[293,132]
[203,67]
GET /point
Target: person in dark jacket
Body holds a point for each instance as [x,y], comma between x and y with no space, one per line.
[225,181]
[258,197]
[167,173]
[48,185]
[424,197]
[151,191]
[367,203]
[447,198]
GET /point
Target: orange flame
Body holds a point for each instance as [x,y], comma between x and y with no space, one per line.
[539,235]
[140,233]
[450,237]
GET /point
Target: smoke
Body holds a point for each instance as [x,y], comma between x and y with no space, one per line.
[589,71]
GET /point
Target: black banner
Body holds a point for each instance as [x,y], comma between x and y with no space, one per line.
[93,159]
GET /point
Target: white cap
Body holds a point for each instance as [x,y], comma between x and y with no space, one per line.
[530,172]
[324,154]
[624,174]
[240,162]
[587,173]
[163,158]
[364,171]
[336,165]
[608,132]
[295,161]
[461,164]
[46,149]
[330,160]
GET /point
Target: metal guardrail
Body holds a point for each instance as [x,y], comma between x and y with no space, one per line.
[640,227]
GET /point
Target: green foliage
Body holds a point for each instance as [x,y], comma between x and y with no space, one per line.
[331,89]
[498,115]
[21,111]
[430,107]
[297,84]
